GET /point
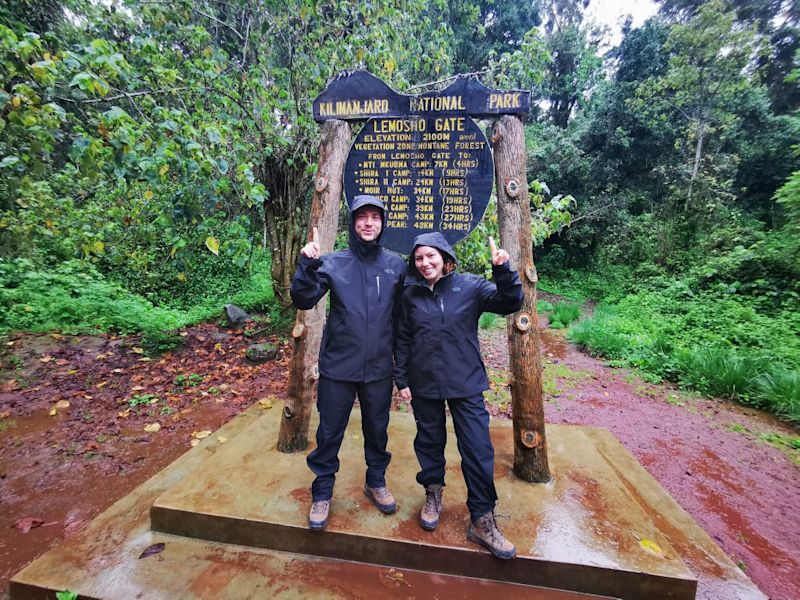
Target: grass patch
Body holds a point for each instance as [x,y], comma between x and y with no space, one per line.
[488,320]
[498,393]
[563,314]
[556,378]
[75,298]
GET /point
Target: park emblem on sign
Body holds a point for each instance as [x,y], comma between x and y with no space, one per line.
[423,156]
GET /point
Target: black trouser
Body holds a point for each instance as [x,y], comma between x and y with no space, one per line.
[335,402]
[471,421]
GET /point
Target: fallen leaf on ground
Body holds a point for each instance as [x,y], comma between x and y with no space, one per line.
[62,361]
[62,404]
[5,413]
[222,439]
[194,443]
[265,403]
[124,414]
[201,434]
[651,547]
[46,359]
[28,523]
[53,412]
[153,550]
[152,427]
[137,350]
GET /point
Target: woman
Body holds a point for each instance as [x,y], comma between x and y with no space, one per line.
[438,359]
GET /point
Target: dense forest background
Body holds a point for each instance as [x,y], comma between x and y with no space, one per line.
[157,159]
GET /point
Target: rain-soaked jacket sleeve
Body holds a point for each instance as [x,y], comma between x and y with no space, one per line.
[402,347]
[308,284]
[505,295]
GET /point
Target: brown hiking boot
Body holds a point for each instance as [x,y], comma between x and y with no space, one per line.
[484,531]
[429,515]
[318,516]
[381,498]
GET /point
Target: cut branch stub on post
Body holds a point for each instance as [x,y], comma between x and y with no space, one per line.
[307,331]
[514,215]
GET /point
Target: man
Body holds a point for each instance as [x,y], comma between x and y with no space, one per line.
[365,282]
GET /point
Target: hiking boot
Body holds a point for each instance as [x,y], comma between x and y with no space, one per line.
[429,515]
[484,531]
[381,498]
[318,516]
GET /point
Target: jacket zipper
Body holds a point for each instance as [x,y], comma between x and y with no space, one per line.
[378,282]
[441,307]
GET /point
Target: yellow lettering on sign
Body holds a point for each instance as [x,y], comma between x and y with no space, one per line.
[509,100]
[449,124]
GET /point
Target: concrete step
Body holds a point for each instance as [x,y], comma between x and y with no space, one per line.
[584,531]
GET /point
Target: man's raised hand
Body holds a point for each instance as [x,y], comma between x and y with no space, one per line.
[311,249]
[499,256]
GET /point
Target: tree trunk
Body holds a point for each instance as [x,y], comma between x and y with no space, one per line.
[514,214]
[307,331]
[698,156]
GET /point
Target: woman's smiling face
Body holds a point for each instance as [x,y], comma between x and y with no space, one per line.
[429,263]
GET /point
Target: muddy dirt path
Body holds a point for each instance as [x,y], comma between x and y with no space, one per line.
[712,456]
[61,465]
[84,420]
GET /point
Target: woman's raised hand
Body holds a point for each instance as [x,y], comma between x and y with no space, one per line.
[311,249]
[499,256]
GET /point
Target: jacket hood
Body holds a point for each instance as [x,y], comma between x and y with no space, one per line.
[357,245]
[433,239]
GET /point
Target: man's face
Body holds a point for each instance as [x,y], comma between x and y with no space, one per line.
[368,223]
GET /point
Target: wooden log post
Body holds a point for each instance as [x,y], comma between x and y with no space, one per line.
[514,215]
[308,325]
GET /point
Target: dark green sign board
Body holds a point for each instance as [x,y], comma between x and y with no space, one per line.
[422,155]
[434,173]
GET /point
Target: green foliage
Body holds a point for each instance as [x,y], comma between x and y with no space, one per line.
[190,380]
[74,297]
[721,346]
[722,372]
[487,320]
[602,335]
[155,341]
[142,399]
[66,595]
[780,389]
[547,217]
[563,314]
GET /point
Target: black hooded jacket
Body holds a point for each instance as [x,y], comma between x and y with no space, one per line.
[365,282]
[438,354]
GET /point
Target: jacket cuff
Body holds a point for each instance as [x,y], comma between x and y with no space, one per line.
[310,263]
[500,270]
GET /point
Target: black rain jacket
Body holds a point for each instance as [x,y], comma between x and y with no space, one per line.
[438,354]
[365,282]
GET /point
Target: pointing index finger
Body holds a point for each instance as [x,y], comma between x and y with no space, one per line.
[314,235]
[492,245]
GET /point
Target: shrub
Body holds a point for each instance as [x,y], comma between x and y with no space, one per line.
[75,298]
[565,313]
[600,335]
[722,372]
[780,390]
[487,320]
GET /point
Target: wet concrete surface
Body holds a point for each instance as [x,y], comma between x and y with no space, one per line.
[102,561]
[580,530]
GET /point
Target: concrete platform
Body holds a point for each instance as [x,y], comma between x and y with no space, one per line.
[102,560]
[233,518]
